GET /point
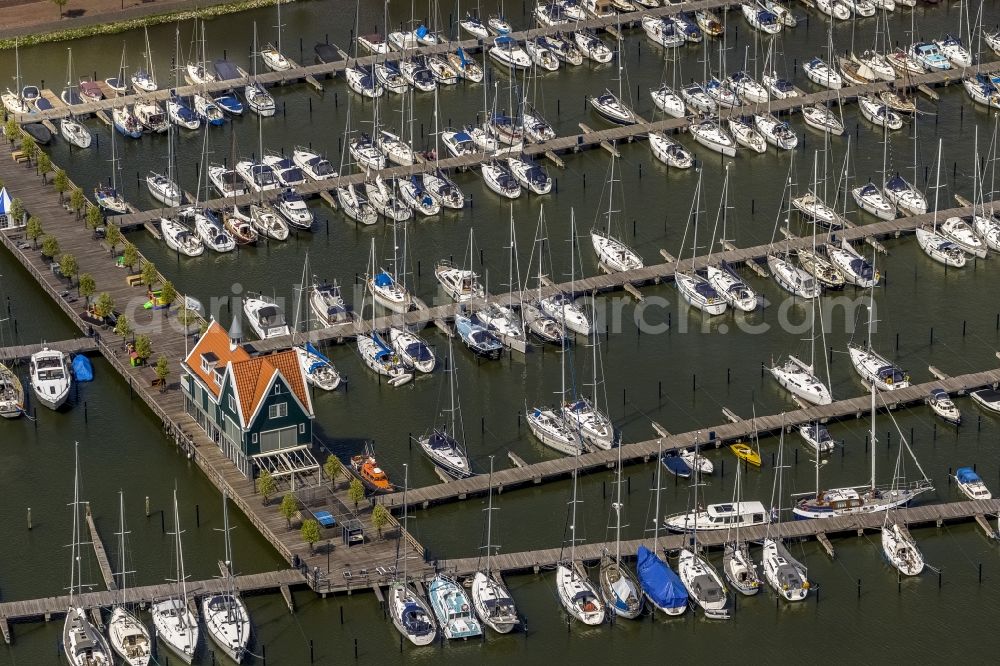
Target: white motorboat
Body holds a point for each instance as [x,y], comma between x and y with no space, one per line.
[50,377]
[313,165]
[578,595]
[703,583]
[285,170]
[953,49]
[164,189]
[150,115]
[982,90]
[878,113]
[877,370]
[355,205]
[461,285]
[293,208]
[959,231]
[791,278]
[942,405]
[413,194]
[776,132]
[817,437]
[670,152]
[264,316]
[905,196]
[613,253]
[855,268]
[988,228]
[75,132]
[552,430]
[374,43]
[259,177]
[507,52]
[209,230]
[778,87]
[743,131]
[362,80]
[668,101]
[697,99]
[541,55]
[987,398]
[784,574]
[661,30]
[591,46]
[444,190]
[870,199]
[699,293]
[612,109]
[716,517]
[327,304]
[696,461]
[530,174]
[564,310]
[901,550]
[822,74]
[710,134]
[971,485]
[366,153]
[747,88]
[929,56]
[500,179]
[731,287]
[761,18]
[179,238]
[395,148]
[799,379]
[452,608]
[939,248]
[472,25]
[410,614]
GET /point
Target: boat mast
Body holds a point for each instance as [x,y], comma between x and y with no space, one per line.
[489,522]
[278,45]
[149,59]
[74,562]
[618,512]
[181,577]
[871,305]
[656,511]
[406,516]
[121,542]
[937,185]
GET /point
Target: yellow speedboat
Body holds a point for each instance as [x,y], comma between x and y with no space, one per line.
[746,452]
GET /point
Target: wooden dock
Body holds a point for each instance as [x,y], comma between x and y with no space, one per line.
[724,433]
[74,346]
[819,528]
[107,573]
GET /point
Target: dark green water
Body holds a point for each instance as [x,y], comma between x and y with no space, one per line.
[649,377]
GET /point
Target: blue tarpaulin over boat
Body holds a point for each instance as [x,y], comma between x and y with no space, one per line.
[82,370]
[383,279]
[966,475]
[461,57]
[422,31]
[663,587]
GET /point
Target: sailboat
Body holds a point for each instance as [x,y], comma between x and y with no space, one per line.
[460,284]
[271,54]
[129,636]
[13,100]
[258,99]
[613,255]
[82,643]
[386,287]
[196,72]
[550,426]
[11,394]
[493,603]
[619,588]
[408,609]
[694,288]
[702,581]
[225,614]
[584,416]
[898,545]
[441,444]
[500,319]
[737,563]
[786,575]
[576,592]
[164,187]
[854,267]
[660,585]
[378,355]
[561,306]
[723,278]
[174,622]
[144,79]
[71,129]
[874,368]
[107,196]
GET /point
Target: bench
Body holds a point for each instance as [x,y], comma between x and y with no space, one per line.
[133,280]
[19,156]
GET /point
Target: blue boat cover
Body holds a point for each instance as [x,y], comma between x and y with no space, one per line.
[315,352]
[422,31]
[461,56]
[966,475]
[676,465]
[504,40]
[82,370]
[658,580]
[462,137]
[383,279]
[383,351]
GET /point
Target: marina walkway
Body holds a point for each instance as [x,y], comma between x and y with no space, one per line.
[74,346]
[821,528]
[724,433]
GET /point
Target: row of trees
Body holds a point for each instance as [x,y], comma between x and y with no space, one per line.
[310,529]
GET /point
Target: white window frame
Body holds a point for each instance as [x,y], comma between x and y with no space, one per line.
[277,411]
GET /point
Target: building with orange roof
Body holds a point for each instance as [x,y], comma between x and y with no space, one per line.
[250,405]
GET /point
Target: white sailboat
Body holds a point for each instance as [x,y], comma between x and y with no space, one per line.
[225,614]
[386,287]
[695,289]
[175,624]
[787,576]
[898,545]
[493,603]
[737,563]
[576,593]
[613,255]
[128,634]
[82,643]
[855,268]
[619,587]
[410,614]
[583,413]
[441,445]
[723,277]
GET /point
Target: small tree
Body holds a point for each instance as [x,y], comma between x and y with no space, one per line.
[68,266]
[162,371]
[29,147]
[16,212]
[94,217]
[130,256]
[86,287]
[123,328]
[34,230]
[143,347]
[44,165]
[168,294]
[186,317]
[356,492]
[60,4]
[289,505]
[104,305]
[333,467]
[113,235]
[50,246]
[12,130]
[310,533]
[266,485]
[77,200]
[61,183]
[380,518]
[149,274]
